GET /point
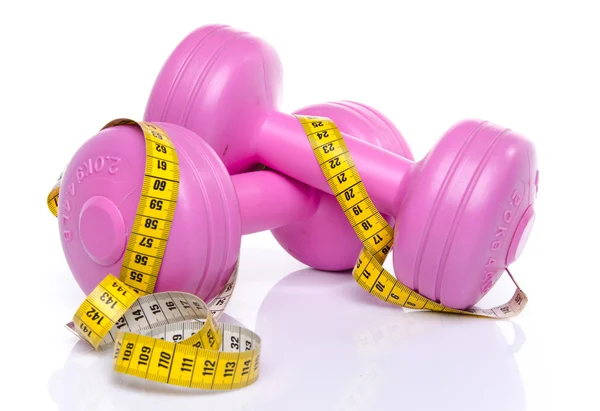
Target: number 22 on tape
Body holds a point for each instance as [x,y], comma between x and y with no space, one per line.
[328,146]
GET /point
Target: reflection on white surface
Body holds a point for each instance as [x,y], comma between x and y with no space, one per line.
[87,382]
[327,345]
[347,351]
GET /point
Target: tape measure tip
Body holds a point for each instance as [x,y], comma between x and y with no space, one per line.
[71,327]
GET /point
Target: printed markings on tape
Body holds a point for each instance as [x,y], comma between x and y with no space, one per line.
[337,166]
[53,199]
[168,337]
[156,208]
[173,337]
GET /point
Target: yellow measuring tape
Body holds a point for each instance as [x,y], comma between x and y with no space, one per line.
[173,337]
[375,233]
[169,337]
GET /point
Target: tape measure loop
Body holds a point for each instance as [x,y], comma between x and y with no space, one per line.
[168,337]
[377,236]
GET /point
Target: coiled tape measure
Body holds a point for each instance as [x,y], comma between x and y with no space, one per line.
[168,337]
[172,337]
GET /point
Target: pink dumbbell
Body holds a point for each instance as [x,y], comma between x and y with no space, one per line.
[101,189]
[465,210]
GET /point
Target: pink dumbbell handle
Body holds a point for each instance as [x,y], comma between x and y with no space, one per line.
[269,200]
[283,146]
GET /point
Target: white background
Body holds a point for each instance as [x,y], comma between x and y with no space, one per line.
[68,67]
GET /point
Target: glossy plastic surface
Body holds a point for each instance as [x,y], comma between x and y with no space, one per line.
[268,199]
[219,82]
[223,83]
[101,189]
[459,208]
[327,240]
[461,212]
